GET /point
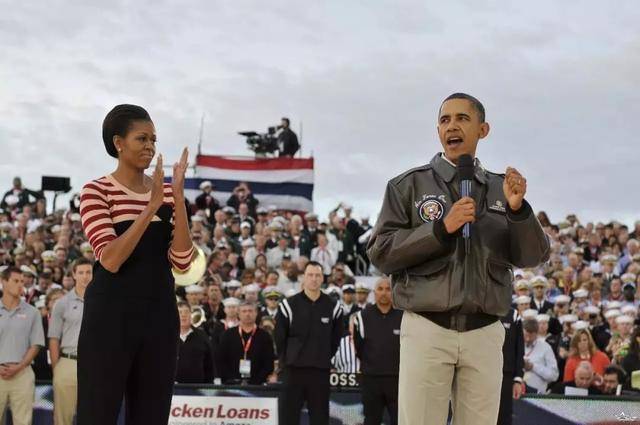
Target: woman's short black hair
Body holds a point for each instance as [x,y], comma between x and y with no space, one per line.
[117,123]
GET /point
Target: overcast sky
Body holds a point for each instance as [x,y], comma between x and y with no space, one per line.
[560,82]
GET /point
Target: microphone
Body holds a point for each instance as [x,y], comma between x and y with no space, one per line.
[465,173]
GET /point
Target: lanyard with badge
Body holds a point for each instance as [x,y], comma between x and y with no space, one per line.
[245,364]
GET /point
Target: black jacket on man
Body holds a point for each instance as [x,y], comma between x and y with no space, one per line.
[195,359]
[376,336]
[260,353]
[308,332]
[289,142]
[513,365]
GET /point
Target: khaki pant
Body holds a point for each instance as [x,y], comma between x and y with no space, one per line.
[18,394]
[438,365]
[65,391]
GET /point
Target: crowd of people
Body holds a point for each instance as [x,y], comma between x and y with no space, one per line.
[579,311]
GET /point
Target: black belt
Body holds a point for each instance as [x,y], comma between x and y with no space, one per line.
[459,322]
[69,356]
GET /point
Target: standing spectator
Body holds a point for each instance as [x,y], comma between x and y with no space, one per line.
[195,363]
[64,329]
[231,305]
[513,366]
[582,349]
[207,202]
[323,255]
[362,295]
[246,352]
[214,307]
[377,340]
[21,337]
[308,330]
[539,301]
[540,365]
[22,194]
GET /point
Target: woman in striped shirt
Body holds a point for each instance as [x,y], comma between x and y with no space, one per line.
[137,226]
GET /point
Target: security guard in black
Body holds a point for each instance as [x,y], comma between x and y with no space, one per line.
[376,335]
[309,326]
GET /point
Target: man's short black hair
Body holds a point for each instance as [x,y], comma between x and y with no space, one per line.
[611,369]
[475,102]
[117,123]
[313,264]
[286,120]
[6,273]
[80,261]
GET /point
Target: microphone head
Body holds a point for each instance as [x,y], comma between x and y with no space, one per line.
[465,167]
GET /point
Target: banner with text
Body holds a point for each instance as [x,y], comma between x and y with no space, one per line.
[197,410]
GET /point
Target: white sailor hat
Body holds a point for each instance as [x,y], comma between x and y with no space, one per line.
[580,293]
[626,309]
[86,247]
[229,210]
[48,254]
[29,270]
[362,287]
[568,318]
[628,278]
[233,284]
[539,281]
[261,210]
[245,224]
[333,290]
[197,218]
[311,216]
[562,299]
[252,287]
[530,313]
[231,302]
[612,313]
[205,184]
[608,258]
[75,217]
[580,324]
[222,244]
[623,318]
[591,309]
[614,305]
[521,284]
[523,299]
[543,318]
[194,289]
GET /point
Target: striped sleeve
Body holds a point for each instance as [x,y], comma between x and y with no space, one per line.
[97,222]
[180,260]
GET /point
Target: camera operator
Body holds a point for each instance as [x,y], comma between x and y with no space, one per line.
[287,140]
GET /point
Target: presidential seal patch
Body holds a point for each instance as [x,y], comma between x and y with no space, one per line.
[430,209]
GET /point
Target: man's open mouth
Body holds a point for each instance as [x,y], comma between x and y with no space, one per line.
[454,142]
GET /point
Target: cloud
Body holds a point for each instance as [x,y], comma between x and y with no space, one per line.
[364,79]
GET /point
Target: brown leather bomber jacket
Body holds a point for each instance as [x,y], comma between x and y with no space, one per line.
[429,269]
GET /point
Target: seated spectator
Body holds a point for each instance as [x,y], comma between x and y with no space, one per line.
[584,379]
[540,365]
[613,380]
[582,348]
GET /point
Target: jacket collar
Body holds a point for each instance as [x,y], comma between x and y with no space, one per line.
[447,171]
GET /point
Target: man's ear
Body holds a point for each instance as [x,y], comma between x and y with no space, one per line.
[484,130]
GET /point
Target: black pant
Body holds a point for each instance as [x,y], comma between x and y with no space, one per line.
[506,401]
[305,384]
[379,392]
[127,347]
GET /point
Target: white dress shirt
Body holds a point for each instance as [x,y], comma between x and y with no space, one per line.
[545,366]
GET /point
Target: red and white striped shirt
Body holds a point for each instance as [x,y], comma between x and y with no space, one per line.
[105,202]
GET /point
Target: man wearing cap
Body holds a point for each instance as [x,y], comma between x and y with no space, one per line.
[28,277]
[452,304]
[362,295]
[523,302]
[206,201]
[539,301]
[376,334]
[349,305]
[194,294]
[540,364]
[242,193]
[64,329]
[271,296]
[231,311]
[21,337]
[246,351]
[309,326]
[629,289]
[311,233]
[45,282]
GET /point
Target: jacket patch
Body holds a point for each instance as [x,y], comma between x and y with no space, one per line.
[430,208]
[396,331]
[324,320]
[498,206]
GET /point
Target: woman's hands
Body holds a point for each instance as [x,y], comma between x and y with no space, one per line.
[177,181]
[157,186]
